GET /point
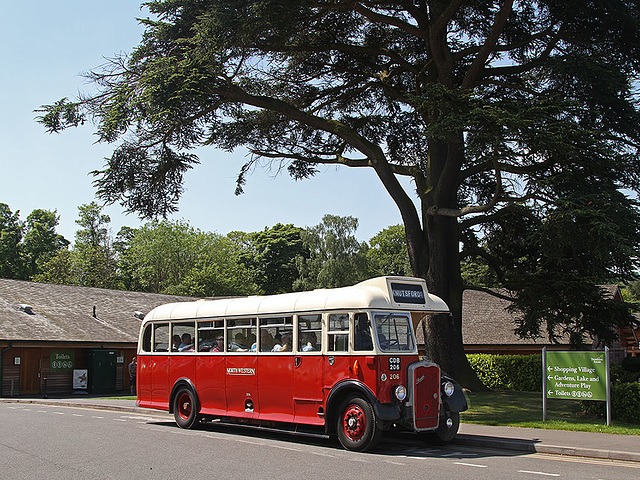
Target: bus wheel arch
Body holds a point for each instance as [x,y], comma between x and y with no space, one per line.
[184,404]
[336,398]
[357,427]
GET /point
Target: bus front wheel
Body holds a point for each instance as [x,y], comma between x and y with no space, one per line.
[357,427]
[446,431]
[185,410]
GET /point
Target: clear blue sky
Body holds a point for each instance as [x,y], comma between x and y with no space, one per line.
[45,46]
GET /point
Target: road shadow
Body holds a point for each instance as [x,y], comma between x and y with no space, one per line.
[392,444]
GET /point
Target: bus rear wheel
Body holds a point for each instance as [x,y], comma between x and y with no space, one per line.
[357,427]
[185,409]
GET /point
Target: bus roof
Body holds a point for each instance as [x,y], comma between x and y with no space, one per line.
[385,293]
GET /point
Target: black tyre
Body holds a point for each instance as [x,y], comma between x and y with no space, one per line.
[446,431]
[185,408]
[357,427]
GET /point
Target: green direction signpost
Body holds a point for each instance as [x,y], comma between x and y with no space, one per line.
[576,375]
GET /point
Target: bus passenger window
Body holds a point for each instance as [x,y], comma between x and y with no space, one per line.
[146,339]
[276,334]
[186,332]
[338,332]
[208,334]
[241,334]
[161,338]
[309,333]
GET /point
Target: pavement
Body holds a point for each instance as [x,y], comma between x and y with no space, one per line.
[602,446]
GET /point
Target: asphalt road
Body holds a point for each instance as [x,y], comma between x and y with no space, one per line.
[49,441]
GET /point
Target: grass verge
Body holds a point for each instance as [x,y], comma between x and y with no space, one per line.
[524,409]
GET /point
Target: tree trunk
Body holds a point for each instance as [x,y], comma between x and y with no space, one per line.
[443,332]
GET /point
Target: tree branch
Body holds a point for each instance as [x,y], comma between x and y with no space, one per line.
[473,74]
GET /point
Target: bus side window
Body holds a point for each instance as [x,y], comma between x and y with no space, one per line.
[309,333]
[186,332]
[362,332]
[208,334]
[161,337]
[338,335]
[241,334]
[146,339]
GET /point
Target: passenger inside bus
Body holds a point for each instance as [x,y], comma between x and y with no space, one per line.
[187,344]
[176,342]
[219,344]
[362,338]
[285,345]
[238,344]
[311,343]
[266,340]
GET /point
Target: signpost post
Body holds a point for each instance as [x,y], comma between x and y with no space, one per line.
[576,375]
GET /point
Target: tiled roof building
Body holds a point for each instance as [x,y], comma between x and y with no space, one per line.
[39,320]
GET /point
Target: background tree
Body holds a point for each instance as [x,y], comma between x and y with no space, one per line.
[495,110]
[336,257]
[41,241]
[11,265]
[173,257]
[272,257]
[93,258]
[58,269]
[126,263]
[387,254]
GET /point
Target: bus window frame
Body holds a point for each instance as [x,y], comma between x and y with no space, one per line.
[253,324]
[154,344]
[212,328]
[319,333]
[194,339]
[329,332]
[398,313]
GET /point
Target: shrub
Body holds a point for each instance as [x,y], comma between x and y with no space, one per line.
[508,372]
[625,403]
[631,364]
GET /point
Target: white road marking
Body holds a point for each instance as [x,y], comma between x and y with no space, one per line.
[471,464]
[540,473]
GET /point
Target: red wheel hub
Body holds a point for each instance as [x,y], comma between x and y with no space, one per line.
[184,406]
[354,422]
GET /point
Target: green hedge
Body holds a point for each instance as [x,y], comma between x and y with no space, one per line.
[625,403]
[508,372]
[524,373]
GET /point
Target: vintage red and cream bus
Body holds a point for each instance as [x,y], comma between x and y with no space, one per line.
[342,361]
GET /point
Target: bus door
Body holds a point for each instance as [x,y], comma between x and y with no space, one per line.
[276,366]
[241,374]
[337,360]
[308,395]
[211,367]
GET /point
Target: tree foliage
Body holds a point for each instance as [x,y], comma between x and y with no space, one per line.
[387,254]
[173,257]
[516,121]
[10,238]
[26,246]
[272,255]
[336,257]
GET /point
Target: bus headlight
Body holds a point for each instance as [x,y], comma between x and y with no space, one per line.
[448,388]
[401,392]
